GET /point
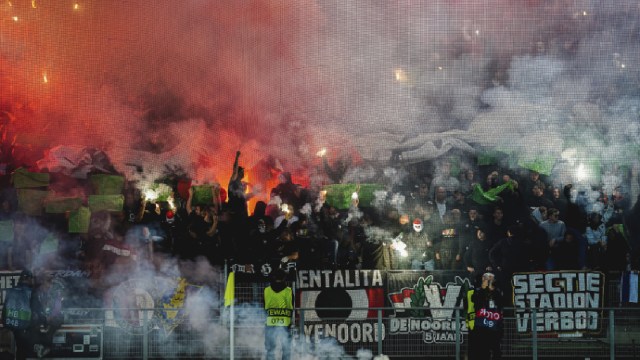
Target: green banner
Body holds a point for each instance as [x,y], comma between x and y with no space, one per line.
[23,178]
[159,192]
[340,195]
[542,165]
[202,195]
[31,201]
[106,202]
[490,196]
[49,245]
[62,205]
[107,184]
[6,231]
[488,158]
[79,220]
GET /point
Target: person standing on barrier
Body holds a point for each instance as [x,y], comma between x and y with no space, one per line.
[278,302]
[488,322]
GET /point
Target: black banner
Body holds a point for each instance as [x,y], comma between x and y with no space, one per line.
[565,301]
[425,305]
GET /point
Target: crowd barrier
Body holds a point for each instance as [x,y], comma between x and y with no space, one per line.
[379,320]
[94,338]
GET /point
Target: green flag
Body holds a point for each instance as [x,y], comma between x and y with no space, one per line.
[106,202]
[490,196]
[62,205]
[158,192]
[31,201]
[488,158]
[543,165]
[6,231]
[340,195]
[104,184]
[202,195]
[79,220]
[49,245]
[23,178]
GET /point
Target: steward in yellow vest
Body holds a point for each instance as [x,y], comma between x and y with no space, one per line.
[471,310]
[278,303]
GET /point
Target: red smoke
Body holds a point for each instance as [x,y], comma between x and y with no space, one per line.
[186,83]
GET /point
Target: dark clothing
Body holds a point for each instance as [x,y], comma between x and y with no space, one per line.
[418,246]
[507,256]
[566,255]
[236,199]
[488,299]
[477,256]
[617,248]
[447,246]
[286,190]
[495,232]
[286,248]
[537,201]
[204,244]
[574,218]
[535,248]
[560,204]
[27,335]
[486,345]
[330,226]
[467,235]
[527,184]
[488,324]
[463,206]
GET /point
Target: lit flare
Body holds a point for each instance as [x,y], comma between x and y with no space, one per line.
[581,172]
[400,246]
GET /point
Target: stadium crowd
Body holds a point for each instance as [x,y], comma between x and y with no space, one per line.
[503,221]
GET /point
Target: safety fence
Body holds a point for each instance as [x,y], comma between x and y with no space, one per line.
[619,338]
[97,337]
[380,313]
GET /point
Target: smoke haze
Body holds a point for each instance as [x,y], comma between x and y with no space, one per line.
[188,83]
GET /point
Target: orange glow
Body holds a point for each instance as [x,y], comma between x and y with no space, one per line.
[400,75]
[45,78]
[251,203]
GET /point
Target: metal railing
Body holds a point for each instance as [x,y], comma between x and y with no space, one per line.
[146,335]
[618,337]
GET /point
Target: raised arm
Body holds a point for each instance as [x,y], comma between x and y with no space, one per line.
[234,176]
[214,224]
[188,206]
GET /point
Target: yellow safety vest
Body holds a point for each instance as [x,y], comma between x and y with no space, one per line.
[279,306]
[471,310]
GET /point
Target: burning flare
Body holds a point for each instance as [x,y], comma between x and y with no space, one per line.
[581,173]
[401,75]
[400,246]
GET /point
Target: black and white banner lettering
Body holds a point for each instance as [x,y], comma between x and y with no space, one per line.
[341,304]
[566,302]
[8,280]
[425,305]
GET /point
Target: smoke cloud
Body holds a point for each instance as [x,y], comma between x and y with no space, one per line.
[188,83]
[182,85]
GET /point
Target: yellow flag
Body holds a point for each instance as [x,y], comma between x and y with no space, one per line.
[230,290]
